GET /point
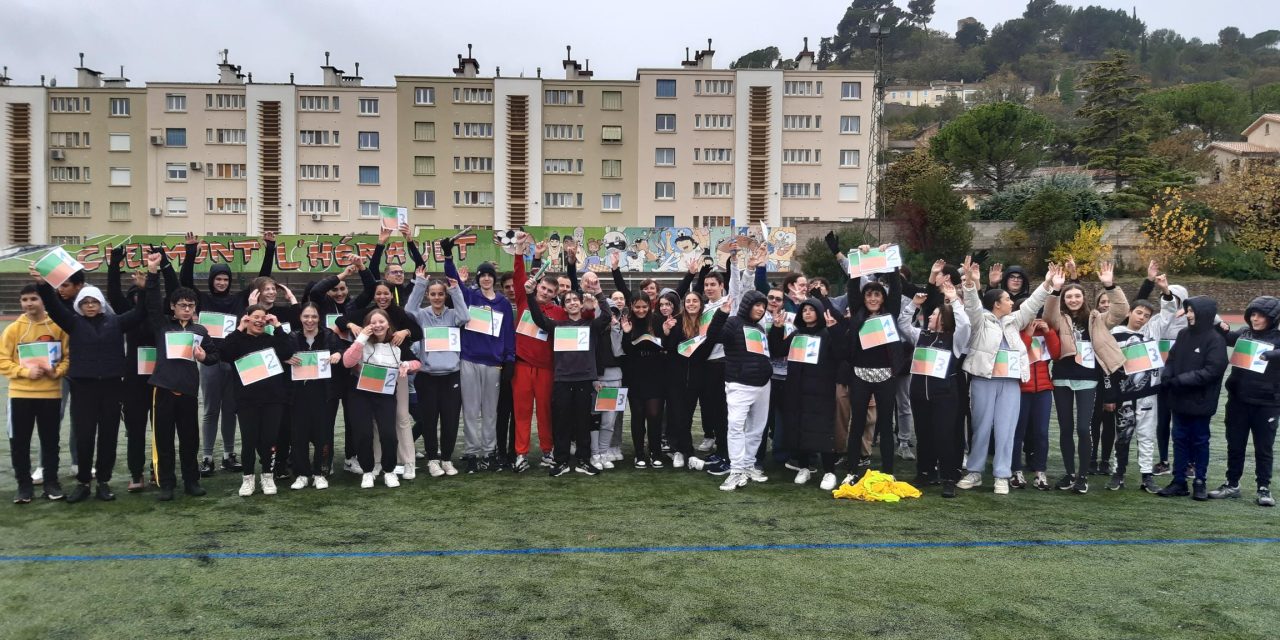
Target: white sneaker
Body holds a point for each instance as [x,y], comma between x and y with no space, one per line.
[399,470]
[828,482]
[246,486]
[596,461]
[37,475]
[410,472]
[299,483]
[434,469]
[418,455]
[849,479]
[352,465]
[736,479]
[971,480]
[757,475]
[320,482]
[606,461]
[695,463]
[617,456]
[391,480]
[448,468]
[677,460]
[707,444]
[802,476]
[268,485]
[366,481]
[1002,486]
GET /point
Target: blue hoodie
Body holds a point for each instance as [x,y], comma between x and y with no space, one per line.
[481,348]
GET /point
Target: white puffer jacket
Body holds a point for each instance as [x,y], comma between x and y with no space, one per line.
[986,331]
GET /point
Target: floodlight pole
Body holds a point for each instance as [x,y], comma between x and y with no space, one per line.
[875,205]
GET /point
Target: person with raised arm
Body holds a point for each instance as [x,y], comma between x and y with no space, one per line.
[395,275]
[533,375]
[439,379]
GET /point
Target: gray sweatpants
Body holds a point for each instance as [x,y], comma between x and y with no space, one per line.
[602,439]
[480,408]
[995,404]
[218,386]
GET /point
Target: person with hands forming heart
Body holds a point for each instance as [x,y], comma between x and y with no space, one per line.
[260,402]
[373,349]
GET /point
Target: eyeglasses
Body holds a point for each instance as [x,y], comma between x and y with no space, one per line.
[184,305]
[395,273]
[774,298]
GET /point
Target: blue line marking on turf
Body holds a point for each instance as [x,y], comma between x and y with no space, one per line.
[855,546]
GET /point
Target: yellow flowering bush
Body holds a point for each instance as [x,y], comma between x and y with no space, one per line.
[1174,235]
[1250,202]
[1086,247]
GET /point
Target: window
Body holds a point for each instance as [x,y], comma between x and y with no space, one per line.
[472,164]
[562,165]
[175,172]
[224,136]
[175,206]
[850,124]
[664,157]
[175,102]
[66,240]
[712,189]
[68,139]
[611,202]
[230,171]
[801,190]
[315,138]
[67,105]
[664,191]
[801,88]
[424,131]
[848,193]
[713,87]
[368,208]
[666,122]
[610,134]
[712,221]
[424,95]
[850,90]
[562,200]
[119,142]
[562,132]
[120,107]
[664,221]
[473,95]
[424,165]
[801,156]
[473,129]
[713,155]
[610,168]
[224,101]
[226,205]
[712,121]
[69,209]
[367,140]
[561,97]
[313,172]
[118,211]
[611,100]
[473,198]
[315,206]
[370,175]
[666,88]
[850,157]
[175,137]
[802,123]
[368,106]
[316,103]
[424,199]
[120,177]
[68,174]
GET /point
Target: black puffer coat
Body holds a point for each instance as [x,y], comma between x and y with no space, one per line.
[810,401]
[742,366]
[1197,362]
[1248,386]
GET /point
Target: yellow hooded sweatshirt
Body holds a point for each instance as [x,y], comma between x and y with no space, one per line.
[24,329]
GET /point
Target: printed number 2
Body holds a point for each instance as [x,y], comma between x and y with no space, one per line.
[270,359]
[582,339]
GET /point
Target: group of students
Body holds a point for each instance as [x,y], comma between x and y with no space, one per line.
[787,373]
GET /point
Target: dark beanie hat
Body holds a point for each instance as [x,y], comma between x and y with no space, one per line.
[486,268]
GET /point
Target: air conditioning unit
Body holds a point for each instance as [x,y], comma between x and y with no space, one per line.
[157,141]
[155,211]
[57,154]
[196,166]
[317,217]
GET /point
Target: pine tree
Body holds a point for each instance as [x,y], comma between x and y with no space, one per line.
[1112,139]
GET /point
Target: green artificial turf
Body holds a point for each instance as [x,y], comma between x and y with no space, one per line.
[1168,591]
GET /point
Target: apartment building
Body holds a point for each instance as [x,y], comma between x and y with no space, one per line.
[752,145]
[505,152]
[24,163]
[938,91]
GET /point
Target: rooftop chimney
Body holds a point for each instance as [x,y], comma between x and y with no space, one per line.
[332,74]
[229,73]
[4,77]
[687,62]
[573,70]
[703,59]
[468,67]
[804,60]
[116,82]
[87,78]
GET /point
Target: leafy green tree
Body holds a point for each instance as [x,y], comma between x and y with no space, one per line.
[1047,221]
[1067,86]
[1265,99]
[971,34]
[1085,202]
[934,221]
[995,144]
[1212,107]
[1009,41]
[766,58]
[902,176]
[1111,108]
[1092,30]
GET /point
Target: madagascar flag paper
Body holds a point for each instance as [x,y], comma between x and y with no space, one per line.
[611,399]
[219,325]
[56,266]
[928,361]
[1141,356]
[1165,347]
[1006,365]
[754,340]
[312,365]
[146,361]
[441,339]
[483,320]
[804,349]
[704,320]
[572,339]
[31,354]
[376,379]
[393,217]
[1246,355]
[862,264]
[1038,351]
[179,345]
[687,347]
[877,330]
[526,327]
[258,366]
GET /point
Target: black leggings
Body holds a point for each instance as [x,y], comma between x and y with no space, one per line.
[439,405]
[571,419]
[95,414]
[1075,410]
[136,407]
[715,408]
[29,416]
[259,427]
[365,410]
[1102,429]
[886,395]
[939,432]
[312,430]
[646,419]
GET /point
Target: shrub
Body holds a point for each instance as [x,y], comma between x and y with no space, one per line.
[1229,260]
[1086,247]
[1176,232]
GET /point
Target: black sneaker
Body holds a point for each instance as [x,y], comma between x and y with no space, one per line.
[104,492]
[948,489]
[1094,469]
[165,494]
[491,463]
[557,470]
[79,494]
[1149,483]
[1018,481]
[194,489]
[206,467]
[656,462]
[1161,469]
[1065,483]
[24,495]
[864,461]
[718,469]
[1116,483]
[472,465]
[1225,491]
[1081,485]
[1105,469]
[1191,471]
[52,489]
[1264,498]
[586,468]
[1199,490]
[1174,490]
[231,463]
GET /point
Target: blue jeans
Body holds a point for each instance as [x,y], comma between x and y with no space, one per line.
[1032,434]
[1190,445]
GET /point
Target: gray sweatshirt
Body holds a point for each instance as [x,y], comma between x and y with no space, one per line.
[436,363]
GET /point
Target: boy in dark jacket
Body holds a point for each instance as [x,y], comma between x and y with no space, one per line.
[747,372]
[176,380]
[1193,377]
[1253,402]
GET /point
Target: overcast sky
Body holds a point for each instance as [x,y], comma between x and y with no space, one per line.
[179,41]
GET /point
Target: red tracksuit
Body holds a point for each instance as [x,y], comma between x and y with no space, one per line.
[535,372]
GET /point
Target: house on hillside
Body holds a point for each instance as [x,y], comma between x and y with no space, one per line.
[1261,146]
[937,92]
